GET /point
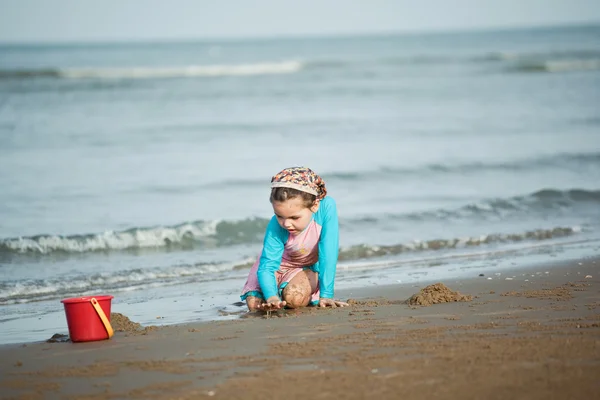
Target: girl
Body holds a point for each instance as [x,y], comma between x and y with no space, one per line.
[300,250]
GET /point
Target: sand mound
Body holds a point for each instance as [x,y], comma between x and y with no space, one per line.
[435,294]
[121,323]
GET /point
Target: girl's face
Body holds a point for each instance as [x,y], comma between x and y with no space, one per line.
[293,215]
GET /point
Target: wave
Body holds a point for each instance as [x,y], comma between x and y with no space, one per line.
[544,203]
[565,61]
[554,55]
[207,234]
[566,160]
[29,290]
[368,251]
[557,65]
[24,291]
[552,61]
[524,62]
[452,58]
[211,234]
[191,71]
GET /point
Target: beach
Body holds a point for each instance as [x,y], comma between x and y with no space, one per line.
[530,333]
[142,170]
[464,164]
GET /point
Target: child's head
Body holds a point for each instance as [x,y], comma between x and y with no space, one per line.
[295,196]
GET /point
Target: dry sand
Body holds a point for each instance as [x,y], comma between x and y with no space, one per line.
[535,336]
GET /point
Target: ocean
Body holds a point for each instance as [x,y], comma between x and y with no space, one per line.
[142,170]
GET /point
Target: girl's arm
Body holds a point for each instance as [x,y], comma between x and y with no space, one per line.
[270,259]
[328,246]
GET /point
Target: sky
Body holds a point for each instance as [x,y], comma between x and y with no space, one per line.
[123,20]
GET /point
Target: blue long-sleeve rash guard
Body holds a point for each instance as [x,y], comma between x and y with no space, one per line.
[275,252]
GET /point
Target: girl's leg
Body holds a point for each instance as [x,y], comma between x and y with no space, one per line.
[253,303]
[298,291]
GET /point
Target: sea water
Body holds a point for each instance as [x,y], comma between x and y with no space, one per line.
[142,170]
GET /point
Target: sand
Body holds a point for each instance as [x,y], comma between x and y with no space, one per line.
[436,294]
[535,335]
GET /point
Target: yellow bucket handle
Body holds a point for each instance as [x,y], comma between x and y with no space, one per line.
[102,316]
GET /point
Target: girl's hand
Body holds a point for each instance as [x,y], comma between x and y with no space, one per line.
[272,303]
[323,302]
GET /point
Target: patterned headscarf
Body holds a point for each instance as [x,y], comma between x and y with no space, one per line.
[300,178]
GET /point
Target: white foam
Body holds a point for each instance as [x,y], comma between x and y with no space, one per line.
[461,242]
[572,65]
[266,68]
[111,240]
[125,280]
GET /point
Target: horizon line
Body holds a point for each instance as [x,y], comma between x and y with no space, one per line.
[300,36]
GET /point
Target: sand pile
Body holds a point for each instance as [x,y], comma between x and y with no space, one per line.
[435,294]
[121,323]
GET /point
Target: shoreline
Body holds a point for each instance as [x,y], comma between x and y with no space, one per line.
[203,302]
[487,275]
[395,290]
[514,339]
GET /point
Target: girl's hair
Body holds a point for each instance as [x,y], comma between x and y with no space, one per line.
[282,194]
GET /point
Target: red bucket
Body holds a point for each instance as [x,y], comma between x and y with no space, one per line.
[88,318]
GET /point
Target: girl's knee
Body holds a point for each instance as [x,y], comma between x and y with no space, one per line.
[296,295]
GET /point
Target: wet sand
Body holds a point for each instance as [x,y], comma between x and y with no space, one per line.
[530,333]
